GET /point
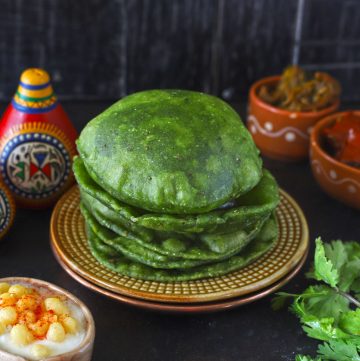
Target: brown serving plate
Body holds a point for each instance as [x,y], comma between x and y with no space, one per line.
[214,306]
[69,241]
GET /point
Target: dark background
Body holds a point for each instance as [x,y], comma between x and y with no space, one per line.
[105,49]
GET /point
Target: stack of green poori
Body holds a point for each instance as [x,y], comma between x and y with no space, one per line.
[172,188]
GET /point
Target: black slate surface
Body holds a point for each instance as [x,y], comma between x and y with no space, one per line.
[251,333]
[104,49]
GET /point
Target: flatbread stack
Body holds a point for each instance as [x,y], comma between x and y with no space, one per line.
[173,189]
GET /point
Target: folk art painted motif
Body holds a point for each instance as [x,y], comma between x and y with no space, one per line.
[37,143]
[7,210]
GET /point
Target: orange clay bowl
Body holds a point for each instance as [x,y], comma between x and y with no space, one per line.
[281,134]
[339,180]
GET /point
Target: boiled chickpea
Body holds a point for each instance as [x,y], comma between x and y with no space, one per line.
[18,290]
[7,299]
[54,304]
[4,287]
[70,325]
[40,351]
[20,335]
[56,332]
[2,328]
[8,315]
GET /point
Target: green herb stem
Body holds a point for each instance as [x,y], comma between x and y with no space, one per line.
[349,297]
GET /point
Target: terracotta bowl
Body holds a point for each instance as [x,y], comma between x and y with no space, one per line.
[278,133]
[339,180]
[84,351]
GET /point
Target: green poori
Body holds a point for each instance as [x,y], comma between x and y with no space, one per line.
[208,247]
[171,151]
[246,209]
[117,262]
[173,188]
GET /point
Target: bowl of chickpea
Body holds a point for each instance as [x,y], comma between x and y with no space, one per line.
[40,321]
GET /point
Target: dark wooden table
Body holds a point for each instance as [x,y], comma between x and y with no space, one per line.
[253,332]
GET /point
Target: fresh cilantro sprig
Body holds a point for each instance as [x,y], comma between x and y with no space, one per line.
[330,311]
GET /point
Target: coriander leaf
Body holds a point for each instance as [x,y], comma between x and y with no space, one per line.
[350,273]
[306,358]
[336,253]
[356,285]
[345,258]
[330,305]
[325,311]
[281,297]
[351,277]
[321,302]
[352,249]
[280,300]
[319,309]
[339,350]
[323,268]
[299,307]
[354,340]
[350,322]
[323,329]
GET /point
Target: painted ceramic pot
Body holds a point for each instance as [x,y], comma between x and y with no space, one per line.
[339,180]
[37,143]
[7,210]
[279,133]
[82,352]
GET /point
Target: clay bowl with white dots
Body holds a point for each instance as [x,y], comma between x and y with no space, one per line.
[338,179]
[83,349]
[281,134]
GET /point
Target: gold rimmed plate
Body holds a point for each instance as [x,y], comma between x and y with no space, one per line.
[213,306]
[69,242]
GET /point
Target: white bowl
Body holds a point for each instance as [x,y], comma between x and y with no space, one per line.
[81,353]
